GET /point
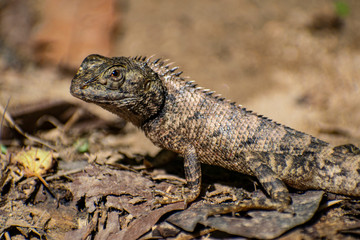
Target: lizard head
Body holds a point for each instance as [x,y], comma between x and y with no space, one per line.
[121,85]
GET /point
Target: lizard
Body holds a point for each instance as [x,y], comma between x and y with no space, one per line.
[177,115]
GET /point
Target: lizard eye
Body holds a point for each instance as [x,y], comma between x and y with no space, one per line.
[117,75]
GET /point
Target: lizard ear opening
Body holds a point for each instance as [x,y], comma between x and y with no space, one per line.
[148,85]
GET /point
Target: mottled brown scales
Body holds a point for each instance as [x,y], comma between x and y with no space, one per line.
[177,115]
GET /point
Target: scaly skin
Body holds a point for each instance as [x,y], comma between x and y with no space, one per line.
[177,115]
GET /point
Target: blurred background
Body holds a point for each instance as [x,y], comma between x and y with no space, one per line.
[294,61]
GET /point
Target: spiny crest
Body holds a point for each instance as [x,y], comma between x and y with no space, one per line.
[139,58]
[162,68]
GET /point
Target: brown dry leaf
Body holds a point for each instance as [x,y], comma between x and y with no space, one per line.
[259,224]
[141,225]
[128,192]
[112,226]
[49,220]
[97,181]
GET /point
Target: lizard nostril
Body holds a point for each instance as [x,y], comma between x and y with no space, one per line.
[84,86]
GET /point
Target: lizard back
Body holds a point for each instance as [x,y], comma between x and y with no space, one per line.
[223,132]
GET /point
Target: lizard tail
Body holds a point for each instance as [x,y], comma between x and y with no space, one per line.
[339,170]
[347,149]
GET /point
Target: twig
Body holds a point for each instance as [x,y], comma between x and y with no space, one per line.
[3,116]
[13,125]
[61,174]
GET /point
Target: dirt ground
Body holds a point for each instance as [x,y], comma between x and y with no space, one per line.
[296,62]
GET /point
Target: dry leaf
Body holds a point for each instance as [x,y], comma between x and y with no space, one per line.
[35,161]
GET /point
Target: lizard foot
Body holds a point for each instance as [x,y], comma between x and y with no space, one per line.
[168,198]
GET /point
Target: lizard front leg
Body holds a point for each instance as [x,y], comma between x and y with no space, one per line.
[192,168]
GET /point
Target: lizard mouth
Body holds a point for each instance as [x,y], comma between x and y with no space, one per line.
[99,95]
